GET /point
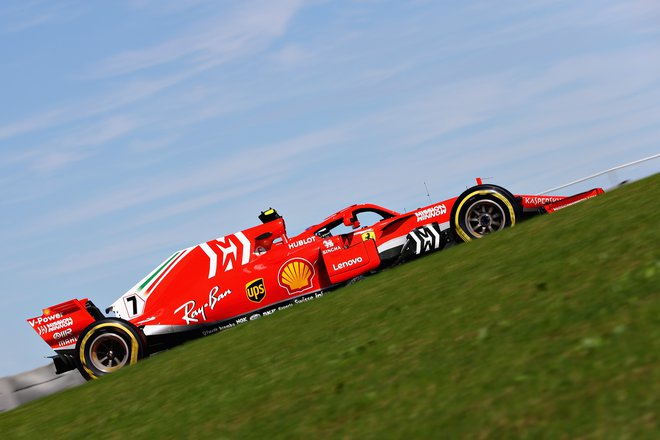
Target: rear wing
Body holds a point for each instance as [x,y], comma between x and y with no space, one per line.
[60,325]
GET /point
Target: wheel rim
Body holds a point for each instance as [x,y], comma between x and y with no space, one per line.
[109,352]
[484,217]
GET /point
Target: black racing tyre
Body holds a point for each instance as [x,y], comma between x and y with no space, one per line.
[482,210]
[107,345]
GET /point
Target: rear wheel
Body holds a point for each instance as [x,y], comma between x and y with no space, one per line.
[482,210]
[108,345]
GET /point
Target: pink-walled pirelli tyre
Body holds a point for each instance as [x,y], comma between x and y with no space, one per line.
[482,210]
[108,345]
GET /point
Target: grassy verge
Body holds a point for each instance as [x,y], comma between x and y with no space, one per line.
[547,330]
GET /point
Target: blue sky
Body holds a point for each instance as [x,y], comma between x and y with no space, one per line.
[130,129]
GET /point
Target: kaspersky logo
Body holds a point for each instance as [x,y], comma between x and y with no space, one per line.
[296,275]
[256,290]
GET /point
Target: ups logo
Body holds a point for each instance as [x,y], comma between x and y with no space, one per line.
[256,290]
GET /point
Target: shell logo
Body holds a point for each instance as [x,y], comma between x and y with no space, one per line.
[296,275]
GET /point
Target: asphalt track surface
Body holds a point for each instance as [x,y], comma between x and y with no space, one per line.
[30,385]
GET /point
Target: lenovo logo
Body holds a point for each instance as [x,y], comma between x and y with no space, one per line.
[349,263]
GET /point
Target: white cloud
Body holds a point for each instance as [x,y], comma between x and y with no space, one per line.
[28,15]
[40,121]
[644,13]
[291,56]
[130,93]
[109,253]
[76,145]
[49,162]
[246,29]
[148,145]
[29,23]
[232,173]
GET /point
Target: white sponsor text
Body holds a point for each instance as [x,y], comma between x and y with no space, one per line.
[191,312]
[433,211]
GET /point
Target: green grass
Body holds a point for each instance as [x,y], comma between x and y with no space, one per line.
[548,330]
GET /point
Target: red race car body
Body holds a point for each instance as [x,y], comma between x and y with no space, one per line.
[240,277]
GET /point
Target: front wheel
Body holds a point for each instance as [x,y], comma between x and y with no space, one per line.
[482,210]
[108,345]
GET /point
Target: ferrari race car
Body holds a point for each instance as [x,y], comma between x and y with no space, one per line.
[230,280]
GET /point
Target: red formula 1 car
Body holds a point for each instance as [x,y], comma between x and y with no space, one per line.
[240,277]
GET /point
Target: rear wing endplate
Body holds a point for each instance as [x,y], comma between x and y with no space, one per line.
[60,325]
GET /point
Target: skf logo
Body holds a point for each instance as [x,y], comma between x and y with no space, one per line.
[370,235]
[256,290]
[296,275]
